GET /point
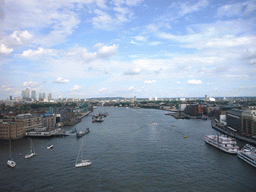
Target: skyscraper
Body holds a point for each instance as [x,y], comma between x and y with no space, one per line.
[33,94]
[26,93]
[49,97]
[23,94]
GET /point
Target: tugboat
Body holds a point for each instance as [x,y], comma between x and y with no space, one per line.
[82,133]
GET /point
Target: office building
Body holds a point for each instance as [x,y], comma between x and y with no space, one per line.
[27,93]
[33,94]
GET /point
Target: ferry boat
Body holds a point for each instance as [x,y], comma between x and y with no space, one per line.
[223,143]
[248,154]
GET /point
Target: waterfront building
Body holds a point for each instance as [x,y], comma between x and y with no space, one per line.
[193,109]
[10,129]
[132,100]
[30,121]
[249,122]
[182,107]
[48,121]
[234,119]
[243,121]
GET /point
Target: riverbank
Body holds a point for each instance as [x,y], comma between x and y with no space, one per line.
[228,132]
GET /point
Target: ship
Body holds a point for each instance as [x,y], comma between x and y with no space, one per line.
[224,143]
[82,133]
[248,154]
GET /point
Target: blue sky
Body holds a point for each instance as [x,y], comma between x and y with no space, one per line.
[99,48]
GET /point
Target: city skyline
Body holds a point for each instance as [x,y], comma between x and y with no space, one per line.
[123,48]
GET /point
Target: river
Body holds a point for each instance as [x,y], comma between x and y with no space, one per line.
[132,150]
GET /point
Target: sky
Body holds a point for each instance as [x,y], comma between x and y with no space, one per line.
[127,48]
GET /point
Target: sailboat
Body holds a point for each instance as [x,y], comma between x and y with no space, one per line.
[32,151]
[79,160]
[10,162]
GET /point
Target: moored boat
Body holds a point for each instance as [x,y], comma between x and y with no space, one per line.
[224,143]
[82,133]
[50,146]
[32,151]
[248,154]
[10,162]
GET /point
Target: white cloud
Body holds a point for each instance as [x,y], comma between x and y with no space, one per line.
[21,37]
[30,84]
[140,38]
[61,80]
[38,53]
[81,54]
[7,88]
[194,82]
[103,89]
[5,50]
[178,82]
[76,88]
[103,20]
[149,81]
[185,8]
[131,88]
[237,9]
[154,43]
[107,51]
[134,71]
[98,45]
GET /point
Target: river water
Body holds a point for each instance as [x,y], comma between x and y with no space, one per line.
[132,150]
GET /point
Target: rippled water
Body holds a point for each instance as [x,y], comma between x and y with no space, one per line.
[132,150]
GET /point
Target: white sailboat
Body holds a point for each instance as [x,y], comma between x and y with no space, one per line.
[79,160]
[32,151]
[10,162]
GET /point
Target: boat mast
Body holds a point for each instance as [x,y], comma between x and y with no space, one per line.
[10,146]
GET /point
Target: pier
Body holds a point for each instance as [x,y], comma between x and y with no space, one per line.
[233,134]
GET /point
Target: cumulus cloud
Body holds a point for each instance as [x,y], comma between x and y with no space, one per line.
[194,82]
[31,84]
[149,81]
[82,54]
[21,37]
[140,38]
[5,50]
[107,51]
[134,71]
[103,89]
[38,53]
[76,88]
[61,80]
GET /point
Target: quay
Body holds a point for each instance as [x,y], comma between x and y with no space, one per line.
[55,132]
[232,133]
